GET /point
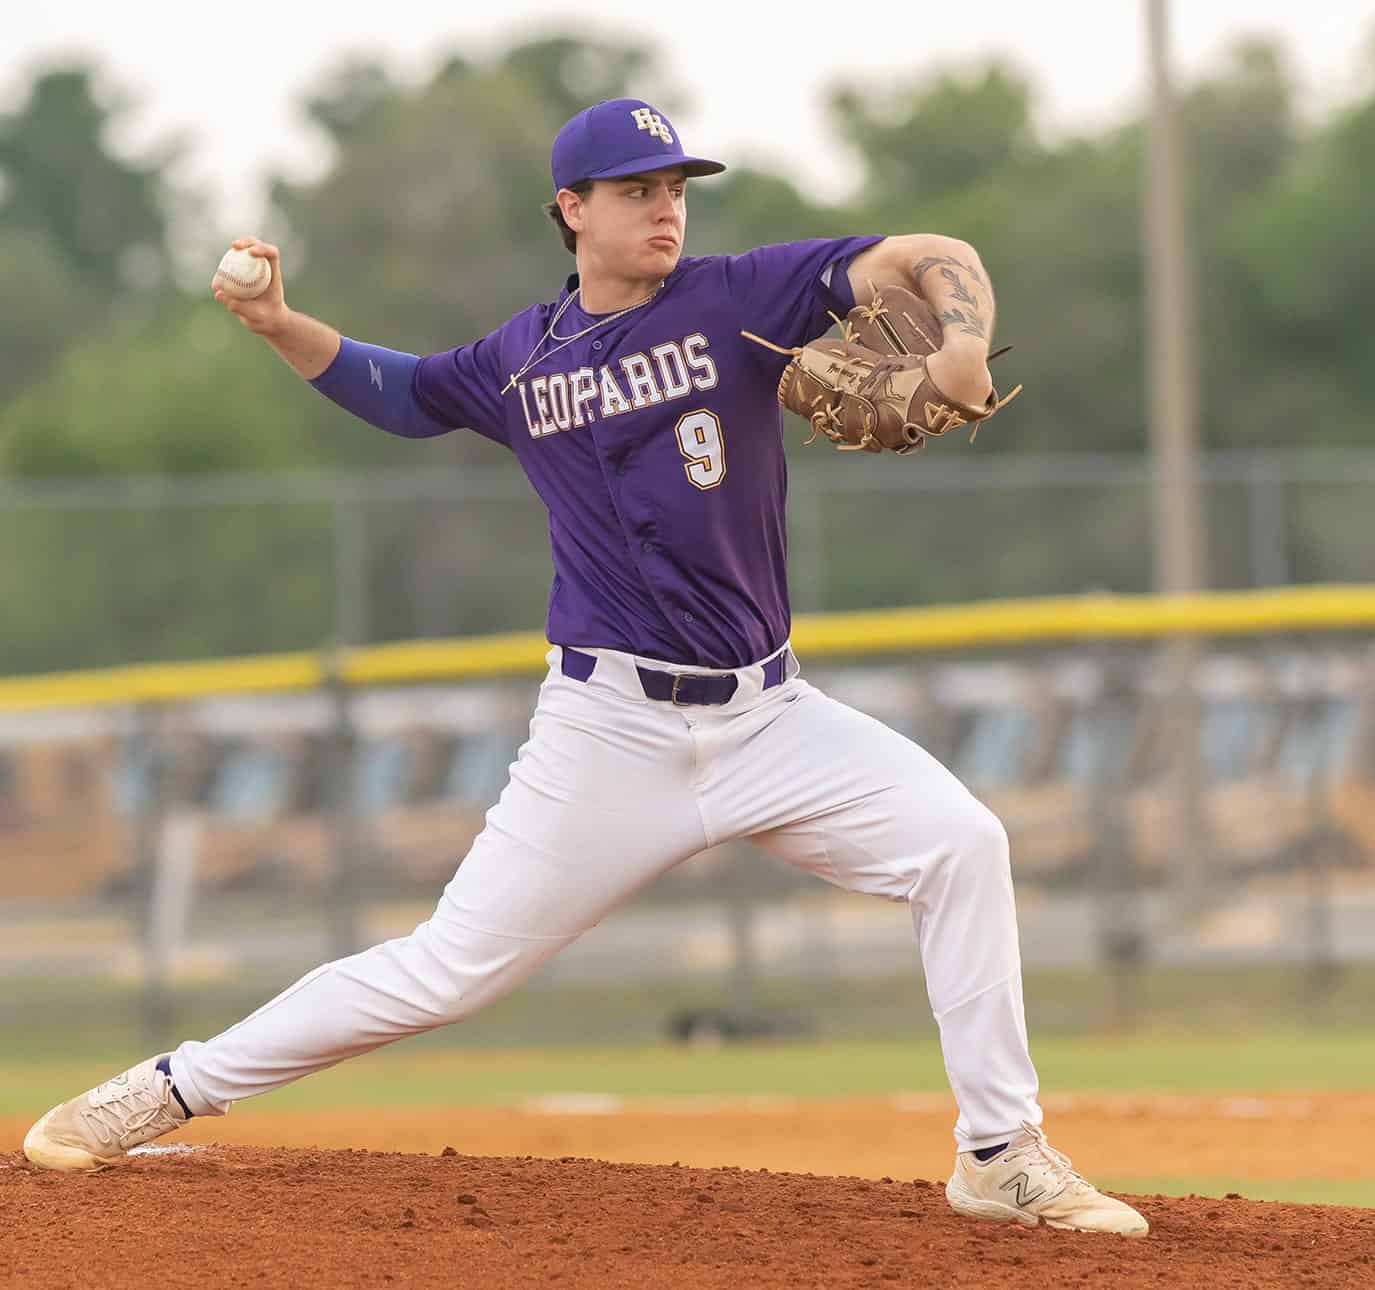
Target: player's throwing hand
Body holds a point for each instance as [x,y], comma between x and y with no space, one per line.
[265,313]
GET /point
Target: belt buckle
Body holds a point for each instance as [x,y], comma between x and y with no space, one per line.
[673,694]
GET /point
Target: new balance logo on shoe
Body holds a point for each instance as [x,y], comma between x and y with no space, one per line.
[1020,1184]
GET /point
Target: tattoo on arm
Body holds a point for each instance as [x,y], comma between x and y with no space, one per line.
[958,289]
[949,261]
[968,319]
[970,323]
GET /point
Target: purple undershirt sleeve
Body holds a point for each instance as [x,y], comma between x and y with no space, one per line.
[376,385]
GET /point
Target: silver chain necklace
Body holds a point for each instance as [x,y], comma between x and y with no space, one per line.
[549,333]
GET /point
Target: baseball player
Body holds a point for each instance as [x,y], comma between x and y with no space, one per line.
[673,716]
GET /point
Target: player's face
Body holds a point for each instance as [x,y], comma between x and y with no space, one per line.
[633,228]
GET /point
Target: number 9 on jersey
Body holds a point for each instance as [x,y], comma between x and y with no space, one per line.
[701,442]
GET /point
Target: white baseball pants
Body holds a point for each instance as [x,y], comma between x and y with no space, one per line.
[613,789]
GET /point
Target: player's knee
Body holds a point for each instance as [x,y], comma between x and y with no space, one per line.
[972,851]
[458,970]
[979,837]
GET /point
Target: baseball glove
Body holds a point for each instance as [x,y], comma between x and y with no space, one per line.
[869,389]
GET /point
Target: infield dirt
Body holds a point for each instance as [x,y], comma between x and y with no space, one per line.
[249,1216]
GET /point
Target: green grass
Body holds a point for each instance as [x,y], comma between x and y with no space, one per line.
[411,1074]
[851,1069]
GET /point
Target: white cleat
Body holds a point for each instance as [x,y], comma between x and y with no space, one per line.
[1031,1182]
[96,1130]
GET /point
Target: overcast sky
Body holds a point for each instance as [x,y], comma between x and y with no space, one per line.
[228,77]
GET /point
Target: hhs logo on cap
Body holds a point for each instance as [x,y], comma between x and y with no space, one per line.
[648,119]
[607,141]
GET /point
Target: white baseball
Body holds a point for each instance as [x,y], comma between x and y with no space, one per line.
[241,275]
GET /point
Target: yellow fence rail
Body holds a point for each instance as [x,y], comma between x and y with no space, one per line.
[886,631]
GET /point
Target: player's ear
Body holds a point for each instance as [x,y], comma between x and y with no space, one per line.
[571,204]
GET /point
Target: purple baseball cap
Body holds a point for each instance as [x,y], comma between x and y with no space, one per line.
[620,137]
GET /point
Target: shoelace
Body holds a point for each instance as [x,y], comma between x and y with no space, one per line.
[1055,1161]
[129,1114]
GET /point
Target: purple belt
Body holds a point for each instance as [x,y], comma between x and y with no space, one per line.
[680,688]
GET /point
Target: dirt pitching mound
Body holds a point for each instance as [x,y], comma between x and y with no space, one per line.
[245,1216]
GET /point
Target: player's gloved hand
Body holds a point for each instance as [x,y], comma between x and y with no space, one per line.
[266,313]
[871,388]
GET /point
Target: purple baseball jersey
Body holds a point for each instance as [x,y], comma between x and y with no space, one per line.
[656,443]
